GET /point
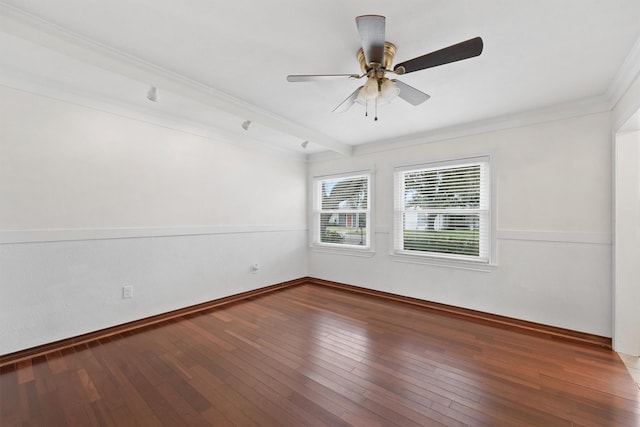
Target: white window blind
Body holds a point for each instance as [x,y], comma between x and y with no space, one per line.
[342,210]
[442,210]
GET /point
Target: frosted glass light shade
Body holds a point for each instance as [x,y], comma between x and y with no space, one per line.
[388,90]
[383,92]
[369,90]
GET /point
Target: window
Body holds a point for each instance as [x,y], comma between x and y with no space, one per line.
[342,212]
[442,210]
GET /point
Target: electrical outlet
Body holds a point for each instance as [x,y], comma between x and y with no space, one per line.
[127,292]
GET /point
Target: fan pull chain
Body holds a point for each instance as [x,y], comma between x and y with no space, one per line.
[376,117]
[366,109]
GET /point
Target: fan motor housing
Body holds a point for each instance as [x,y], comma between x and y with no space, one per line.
[389,53]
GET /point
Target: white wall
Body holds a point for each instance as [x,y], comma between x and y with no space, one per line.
[627,243]
[91,201]
[553,234]
[626,277]
[626,317]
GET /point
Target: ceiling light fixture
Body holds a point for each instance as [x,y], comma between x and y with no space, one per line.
[152,94]
[379,89]
[246,124]
[376,59]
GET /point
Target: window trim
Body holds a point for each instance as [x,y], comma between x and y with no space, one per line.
[316,211]
[442,259]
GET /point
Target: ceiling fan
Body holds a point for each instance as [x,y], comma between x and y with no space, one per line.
[375,58]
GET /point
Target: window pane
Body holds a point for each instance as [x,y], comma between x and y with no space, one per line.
[341,210]
[343,228]
[456,187]
[442,233]
[443,209]
[345,193]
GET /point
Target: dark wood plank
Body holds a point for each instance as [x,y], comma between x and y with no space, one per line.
[320,356]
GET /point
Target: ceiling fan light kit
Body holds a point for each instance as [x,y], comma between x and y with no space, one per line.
[376,58]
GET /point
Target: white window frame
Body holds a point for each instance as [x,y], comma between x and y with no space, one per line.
[316,244]
[485,260]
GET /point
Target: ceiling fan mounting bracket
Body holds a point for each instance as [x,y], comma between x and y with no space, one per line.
[389,53]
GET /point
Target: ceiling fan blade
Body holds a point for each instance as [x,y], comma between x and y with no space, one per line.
[456,52]
[318,77]
[410,94]
[371,29]
[347,103]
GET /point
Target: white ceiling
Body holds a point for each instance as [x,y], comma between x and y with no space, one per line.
[218,63]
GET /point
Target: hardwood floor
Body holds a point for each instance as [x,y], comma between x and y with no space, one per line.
[317,356]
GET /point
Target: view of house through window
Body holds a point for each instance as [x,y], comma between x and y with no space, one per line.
[341,210]
[443,210]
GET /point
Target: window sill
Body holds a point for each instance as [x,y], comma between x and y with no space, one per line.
[444,262]
[349,251]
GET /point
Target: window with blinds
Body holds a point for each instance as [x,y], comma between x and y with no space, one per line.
[442,210]
[341,210]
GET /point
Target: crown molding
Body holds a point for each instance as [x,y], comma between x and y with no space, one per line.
[624,78]
[27,26]
[578,108]
[19,23]
[146,115]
